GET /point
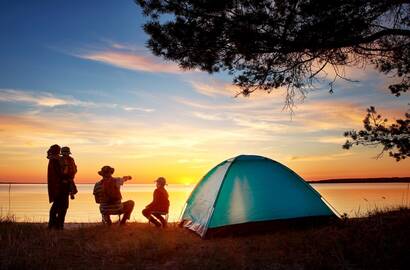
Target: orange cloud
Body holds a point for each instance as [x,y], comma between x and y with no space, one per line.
[207,116]
[267,114]
[176,151]
[215,88]
[208,132]
[136,148]
[321,157]
[132,61]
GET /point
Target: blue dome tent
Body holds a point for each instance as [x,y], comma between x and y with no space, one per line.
[248,189]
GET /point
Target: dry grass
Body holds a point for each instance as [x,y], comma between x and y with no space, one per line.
[380,241]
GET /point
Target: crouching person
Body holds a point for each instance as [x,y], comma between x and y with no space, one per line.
[159,207]
[107,193]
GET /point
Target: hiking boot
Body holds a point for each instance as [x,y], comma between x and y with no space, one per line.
[106,220]
[123,220]
[164,224]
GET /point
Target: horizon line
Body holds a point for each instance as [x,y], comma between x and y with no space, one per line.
[396,178]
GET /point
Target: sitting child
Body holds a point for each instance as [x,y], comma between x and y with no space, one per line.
[159,206]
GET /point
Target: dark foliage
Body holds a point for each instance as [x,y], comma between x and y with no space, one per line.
[268,44]
[394,138]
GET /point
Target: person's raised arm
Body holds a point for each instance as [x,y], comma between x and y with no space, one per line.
[127,178]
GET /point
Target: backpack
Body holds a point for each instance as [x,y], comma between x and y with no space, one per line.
[106,192]
[98,193]
[111,190]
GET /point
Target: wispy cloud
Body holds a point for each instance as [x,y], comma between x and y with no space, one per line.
[130,109]
[127,57]
[339,140]
[218,88]
[215,88]
[265,118]
[321,157]
[132,61]
[49,100]
[43,99]
[174,148]
[207,116]
[234,104]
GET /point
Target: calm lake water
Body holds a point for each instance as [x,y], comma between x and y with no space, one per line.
[29,202]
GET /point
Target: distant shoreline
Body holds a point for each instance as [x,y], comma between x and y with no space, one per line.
[324,181]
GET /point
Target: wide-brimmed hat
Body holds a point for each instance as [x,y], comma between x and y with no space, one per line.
[106,170]
[161,180]
[65,150]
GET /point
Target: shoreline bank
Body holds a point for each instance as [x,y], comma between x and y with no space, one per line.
[379,241]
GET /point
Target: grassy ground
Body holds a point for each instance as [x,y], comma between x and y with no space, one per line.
[380,241]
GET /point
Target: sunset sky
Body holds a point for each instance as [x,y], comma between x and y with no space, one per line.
[77,73]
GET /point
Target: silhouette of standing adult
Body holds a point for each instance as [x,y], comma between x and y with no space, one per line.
[58,191]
